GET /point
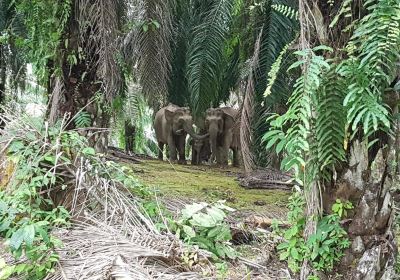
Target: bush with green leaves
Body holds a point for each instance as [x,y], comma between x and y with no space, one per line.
[27,214]
[43,161]
[203,225]
[323,248]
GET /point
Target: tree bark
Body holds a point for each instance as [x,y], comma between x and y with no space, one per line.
[368,186]
[74,91]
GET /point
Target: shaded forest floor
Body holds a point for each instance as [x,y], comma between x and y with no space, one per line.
[210,184]
[186,184]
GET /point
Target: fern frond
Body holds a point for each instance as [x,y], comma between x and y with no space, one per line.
[82,119]
[330,121]
[205,54]
[275,67]
[286,11]
[374,50]
[300,117]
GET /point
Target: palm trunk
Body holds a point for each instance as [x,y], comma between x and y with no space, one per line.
[368,186]
[74,92]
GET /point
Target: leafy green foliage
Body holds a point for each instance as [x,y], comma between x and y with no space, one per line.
[39,156]
[322,249]
[26,216]
[205,54]
[275,67]
[340,208]
[43,37]
[299,119]
[203,225]
[330,124]
[82,119]
[286,11]
[273,41]
[373,50]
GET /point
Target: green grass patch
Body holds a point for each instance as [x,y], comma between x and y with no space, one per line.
[210,184]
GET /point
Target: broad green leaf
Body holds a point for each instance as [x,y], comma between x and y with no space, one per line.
[189,231]
[217,214]
[202,220]
[6,272]
[191,209]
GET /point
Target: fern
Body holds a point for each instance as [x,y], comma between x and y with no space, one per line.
[286,11]
[300,119]
[374,50]
[275,67]
[82,119]
[344,9]
[330,122]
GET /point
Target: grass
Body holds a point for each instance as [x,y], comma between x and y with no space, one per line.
[205,183]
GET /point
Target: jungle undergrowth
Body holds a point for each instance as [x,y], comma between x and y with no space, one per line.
[37,157]
[323,248]
[201,226]
[35,160]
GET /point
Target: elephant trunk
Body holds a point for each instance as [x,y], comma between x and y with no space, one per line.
[213,131]
[189,129]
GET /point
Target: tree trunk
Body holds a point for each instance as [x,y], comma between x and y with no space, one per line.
[368,186]
[74,93]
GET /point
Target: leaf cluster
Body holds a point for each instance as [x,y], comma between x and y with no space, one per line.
[323,248]
[203,225]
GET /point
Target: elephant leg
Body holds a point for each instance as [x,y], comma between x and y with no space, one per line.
[172,148]
[227,141]
[235,157]
[194,156]
[160,150]
[181,149]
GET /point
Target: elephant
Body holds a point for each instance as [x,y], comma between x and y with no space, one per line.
[224,134]
[172,124]
[201,150]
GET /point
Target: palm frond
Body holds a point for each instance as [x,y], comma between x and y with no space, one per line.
[99,26]
[177,89]
[154,50]
[273,41]
[205,54]
[247,114]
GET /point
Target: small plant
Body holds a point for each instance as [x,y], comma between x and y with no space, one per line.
[341,208]
[323,248]
[203,225]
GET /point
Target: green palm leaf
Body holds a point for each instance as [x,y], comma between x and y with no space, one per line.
[205,55]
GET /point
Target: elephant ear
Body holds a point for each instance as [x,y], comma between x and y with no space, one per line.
[229,120]
[169,115]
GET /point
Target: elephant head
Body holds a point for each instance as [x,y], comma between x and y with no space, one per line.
[217,122]
[180,120]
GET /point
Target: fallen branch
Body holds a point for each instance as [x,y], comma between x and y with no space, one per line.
[266,179]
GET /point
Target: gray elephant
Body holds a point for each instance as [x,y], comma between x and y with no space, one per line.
[201,150]
[224,134]
[172,124]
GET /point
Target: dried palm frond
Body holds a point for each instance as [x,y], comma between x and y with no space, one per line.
[247,113]
[98,250]
[98,33]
